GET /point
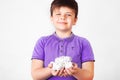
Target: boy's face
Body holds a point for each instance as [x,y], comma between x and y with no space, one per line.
[63,18]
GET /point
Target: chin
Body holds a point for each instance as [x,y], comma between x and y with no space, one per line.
[63,30]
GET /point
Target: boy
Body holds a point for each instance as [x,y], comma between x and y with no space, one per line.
[63,43]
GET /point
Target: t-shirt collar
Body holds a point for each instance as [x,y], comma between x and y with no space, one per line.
[64,39]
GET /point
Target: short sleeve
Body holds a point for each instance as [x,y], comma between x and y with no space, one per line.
[38,52]
[87,52]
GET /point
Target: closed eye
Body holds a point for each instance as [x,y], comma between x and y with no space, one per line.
[68,14]
[58,14]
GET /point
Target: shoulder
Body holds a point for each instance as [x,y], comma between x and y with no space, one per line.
[43,39]
[81,39]
[83,42]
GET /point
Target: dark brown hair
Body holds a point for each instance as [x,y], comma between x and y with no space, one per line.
[64,3]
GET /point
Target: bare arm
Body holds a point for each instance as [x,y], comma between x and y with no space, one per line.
[86,73]
[38,72]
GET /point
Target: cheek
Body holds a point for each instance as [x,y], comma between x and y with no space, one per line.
[55,19]
[70,21]
[73,21]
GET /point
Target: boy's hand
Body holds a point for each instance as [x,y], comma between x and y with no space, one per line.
[56,72]
[73,70]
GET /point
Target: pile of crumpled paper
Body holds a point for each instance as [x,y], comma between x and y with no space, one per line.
[62,62]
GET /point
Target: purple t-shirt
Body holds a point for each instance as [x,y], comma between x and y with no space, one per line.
[49,47]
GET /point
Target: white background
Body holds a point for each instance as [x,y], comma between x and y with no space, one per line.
[22,22]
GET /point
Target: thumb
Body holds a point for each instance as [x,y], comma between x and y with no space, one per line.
[75,65]
[50,65]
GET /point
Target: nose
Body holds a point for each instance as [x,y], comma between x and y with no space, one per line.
[62,17]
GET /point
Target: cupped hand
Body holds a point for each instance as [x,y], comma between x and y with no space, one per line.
[72,70]
[56,72]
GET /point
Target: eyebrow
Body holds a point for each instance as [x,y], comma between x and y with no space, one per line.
[69,12]
[65,12]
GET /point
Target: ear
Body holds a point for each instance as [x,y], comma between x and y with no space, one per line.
[75,20]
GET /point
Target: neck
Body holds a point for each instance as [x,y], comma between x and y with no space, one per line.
[63,34]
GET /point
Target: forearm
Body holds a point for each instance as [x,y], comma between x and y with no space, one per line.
[41,74]
[83,75]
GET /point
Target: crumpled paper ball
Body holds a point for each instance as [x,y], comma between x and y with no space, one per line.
[62,62]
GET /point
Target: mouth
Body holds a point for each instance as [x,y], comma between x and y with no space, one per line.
[62,22]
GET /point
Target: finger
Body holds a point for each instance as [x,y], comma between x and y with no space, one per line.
[50,65]
[60,73]
[55,72]
[68,71]
[72,71]
[65,73]
[75,65]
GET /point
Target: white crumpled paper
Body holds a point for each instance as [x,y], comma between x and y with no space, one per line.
[62,62]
